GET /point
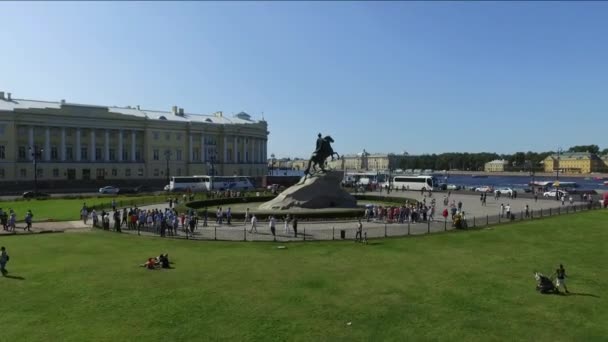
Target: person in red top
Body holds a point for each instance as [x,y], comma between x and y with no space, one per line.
[445,213]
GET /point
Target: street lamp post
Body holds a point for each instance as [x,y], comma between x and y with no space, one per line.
[273,160]
[559,150]
[36,153]
[212,159]
[167,157]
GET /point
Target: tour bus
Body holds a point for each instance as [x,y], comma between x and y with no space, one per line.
[209,183]
[414,182]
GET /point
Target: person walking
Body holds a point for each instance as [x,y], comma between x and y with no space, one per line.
[3,260]
[560,273]
[246,216]
[295,226]
[84,214]
[254,224]
[286,228]
[271,223]
[563,199]
[508,209]
[358,235]
[571,200]
[527,209]
[28,221]
[502,210]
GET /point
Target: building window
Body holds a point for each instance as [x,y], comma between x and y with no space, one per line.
[54,154]
[22,173]
[155,154]
[71,174]
[2,129]
[167,136]
[128,172]
[84,153]
[156,172]
[138,154]
[247,156]
[40,173]
[1,173]
[21,152]
[86,174]
[98,153]
[238,156]
[155,135]
[178,155]
[55,172]
[178,136]
[112,154]
[100,174]
[179,172]
[2,152]
[140,172]
[69,154]
[195,154]
[114,172]
[125,155]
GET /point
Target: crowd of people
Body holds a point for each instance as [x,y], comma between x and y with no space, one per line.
[8,219]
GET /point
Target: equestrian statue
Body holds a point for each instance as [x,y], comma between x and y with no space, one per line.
[321,153]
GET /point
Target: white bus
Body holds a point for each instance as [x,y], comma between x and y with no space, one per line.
[414,182]
[209,183]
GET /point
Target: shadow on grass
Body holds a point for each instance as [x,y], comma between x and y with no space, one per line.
[14,277]
[582,294]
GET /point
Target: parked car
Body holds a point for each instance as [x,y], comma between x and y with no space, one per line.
[553,193]
[109,190]
[442,186]
[454,187]
[32,194]
[504,191]
[484,189]
[167,187]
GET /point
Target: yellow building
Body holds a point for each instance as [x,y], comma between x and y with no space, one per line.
[496,166]
[77,142]
[574,162]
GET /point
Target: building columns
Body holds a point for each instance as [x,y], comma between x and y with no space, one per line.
[246,153]
[93,157]
[119,157]
[190,148]
[107,146]
[47,144]
[235,149]
[62,144]
[78,147]
[225,150]
[133,140]
[30,141]
[203,159]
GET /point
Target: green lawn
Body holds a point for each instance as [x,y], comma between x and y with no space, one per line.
[69,209]
[466,286]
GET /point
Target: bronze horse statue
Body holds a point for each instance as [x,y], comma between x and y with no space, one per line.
[318,157]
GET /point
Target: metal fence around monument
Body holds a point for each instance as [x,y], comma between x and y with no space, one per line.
[346,230]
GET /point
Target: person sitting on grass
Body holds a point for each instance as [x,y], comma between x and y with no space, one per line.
[163,260]
[150,264]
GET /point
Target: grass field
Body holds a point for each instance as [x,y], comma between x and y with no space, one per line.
[467,286]
[60,209]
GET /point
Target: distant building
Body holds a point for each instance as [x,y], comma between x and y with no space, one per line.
[576,162]
[365,161]
[498,165]
[74,142]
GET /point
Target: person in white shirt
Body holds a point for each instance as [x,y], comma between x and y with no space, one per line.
[508,208]
[271,223]
[246,215]
[84,214]
[254,224]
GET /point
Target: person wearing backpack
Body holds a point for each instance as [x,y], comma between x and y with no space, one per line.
[3,260]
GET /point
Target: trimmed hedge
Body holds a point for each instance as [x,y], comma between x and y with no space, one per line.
[227,200]
[388,199]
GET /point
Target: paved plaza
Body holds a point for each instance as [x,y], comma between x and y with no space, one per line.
[476,214]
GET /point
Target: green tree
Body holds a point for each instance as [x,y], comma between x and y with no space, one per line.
[585,148]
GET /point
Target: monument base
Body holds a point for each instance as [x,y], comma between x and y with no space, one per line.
[317,191]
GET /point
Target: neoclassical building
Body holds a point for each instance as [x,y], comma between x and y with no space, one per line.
[71,142]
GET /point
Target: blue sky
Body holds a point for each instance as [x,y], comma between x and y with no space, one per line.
[388,77]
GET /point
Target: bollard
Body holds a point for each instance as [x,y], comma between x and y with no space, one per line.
[559,210]
[550,211]
[385,230]
[499,216]
[215,233]
[445,224]
[333,233]
[522,216]
[487,220]
[428,228]
[304,233]
[138,230]
[244,234]
[408,227]
[473,221]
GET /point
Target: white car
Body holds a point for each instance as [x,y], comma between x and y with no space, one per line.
[109,190]
[553,193]
[483,189]
[167,187]
[504,191]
